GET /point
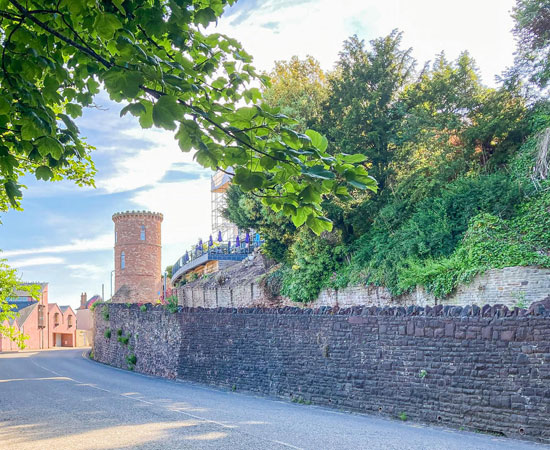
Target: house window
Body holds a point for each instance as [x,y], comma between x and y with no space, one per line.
[142,234]
[56,319]
[122,260]
[69,321]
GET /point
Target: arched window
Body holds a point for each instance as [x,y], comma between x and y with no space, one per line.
[122,260]
[142,234]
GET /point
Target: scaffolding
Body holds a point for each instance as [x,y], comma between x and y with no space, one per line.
[220,183]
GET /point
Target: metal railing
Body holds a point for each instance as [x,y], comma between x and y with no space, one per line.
[218,251]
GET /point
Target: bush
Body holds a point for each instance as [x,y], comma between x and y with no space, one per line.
[490,242]
[172,304]
[315,259]
[107,333]
[105,312]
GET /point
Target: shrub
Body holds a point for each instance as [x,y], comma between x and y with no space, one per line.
[105,312]
[143,308]
[107,333]
[119,332]
[172,304]
[131,361]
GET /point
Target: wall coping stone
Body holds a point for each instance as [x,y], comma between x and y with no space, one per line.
[499,311]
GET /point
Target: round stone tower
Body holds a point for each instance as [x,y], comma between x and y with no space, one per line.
[138,272]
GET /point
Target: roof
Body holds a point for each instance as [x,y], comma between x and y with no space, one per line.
[21,304]
[65,308]
[24,314]
[95,298]
[23,293]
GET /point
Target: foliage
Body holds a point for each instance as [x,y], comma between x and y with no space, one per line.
[95,304]
[314,260]
[298,88]
[532,30]
[143,308]
[154,57]
[454,153]
[123,339]
[490,242]
[168,271]
[119,332]
[107,333]
[361,114]
[248,212]
[105,312]
[172,304]
[8,285]
[131,361]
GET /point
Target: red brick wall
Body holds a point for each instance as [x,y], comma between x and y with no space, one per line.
[141,276]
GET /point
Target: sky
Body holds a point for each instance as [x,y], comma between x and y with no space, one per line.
[65,234]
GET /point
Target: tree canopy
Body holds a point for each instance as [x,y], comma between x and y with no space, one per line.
[155,57]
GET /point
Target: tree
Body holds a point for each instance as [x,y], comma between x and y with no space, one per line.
[361,115]
[532,30]
[153,56]
[298,88]
[8,285]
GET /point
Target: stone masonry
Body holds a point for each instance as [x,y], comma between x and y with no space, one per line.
[485,369]
[139,279]
[509,286]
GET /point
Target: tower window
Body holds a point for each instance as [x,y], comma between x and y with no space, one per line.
[116,236]
[142,234]
[122,260]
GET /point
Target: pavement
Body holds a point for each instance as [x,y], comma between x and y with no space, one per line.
[59,400]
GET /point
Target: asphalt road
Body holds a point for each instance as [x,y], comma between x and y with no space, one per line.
[59,400]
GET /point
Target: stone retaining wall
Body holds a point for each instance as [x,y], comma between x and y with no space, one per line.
[508,286]
[482,369]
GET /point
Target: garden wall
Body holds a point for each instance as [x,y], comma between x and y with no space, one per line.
[483,369]
[508,286]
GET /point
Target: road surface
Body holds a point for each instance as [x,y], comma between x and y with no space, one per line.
[58,400]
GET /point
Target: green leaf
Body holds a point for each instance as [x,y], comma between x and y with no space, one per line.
[73,109]
[300,217]
[353,159]
[319,171]
[318,140]
[33,127]
[4,106]
[50,146]
[188,133]
[132,83]
[248,180]
[146,117]
[205,16]
[13,192]
[43,173]
[290,138]
[106,24]
[71,126]
[166,111]
[118,4]
[136,109]
[318,224]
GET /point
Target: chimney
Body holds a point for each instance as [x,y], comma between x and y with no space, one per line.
[83,299]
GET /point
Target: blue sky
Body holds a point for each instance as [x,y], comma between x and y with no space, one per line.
[65,234]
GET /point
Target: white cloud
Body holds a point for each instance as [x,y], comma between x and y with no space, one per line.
[102,242]
[186,209]
[145,167]
[319,28]
[86,271]
[40,261]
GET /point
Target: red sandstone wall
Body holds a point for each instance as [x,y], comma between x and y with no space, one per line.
[142,273]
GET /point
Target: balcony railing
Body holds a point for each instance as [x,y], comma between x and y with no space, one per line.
[218,252]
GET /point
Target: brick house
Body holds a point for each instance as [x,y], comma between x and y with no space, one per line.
[46,324]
